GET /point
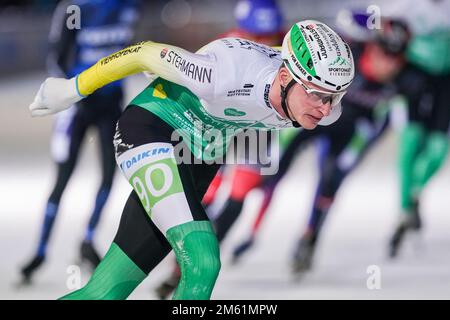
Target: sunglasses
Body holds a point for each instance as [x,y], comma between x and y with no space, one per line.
[323,96]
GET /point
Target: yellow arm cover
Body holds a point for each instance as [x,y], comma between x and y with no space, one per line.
[143,56]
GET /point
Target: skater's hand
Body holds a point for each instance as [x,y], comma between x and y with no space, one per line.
[55,95]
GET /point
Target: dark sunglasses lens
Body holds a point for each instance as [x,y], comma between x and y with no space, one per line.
[327,99]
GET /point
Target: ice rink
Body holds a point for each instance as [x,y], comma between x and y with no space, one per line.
[355,236]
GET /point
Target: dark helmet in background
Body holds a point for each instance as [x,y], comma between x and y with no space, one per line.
[393,36]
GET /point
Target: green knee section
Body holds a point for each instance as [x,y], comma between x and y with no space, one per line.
[430,160]
[114,279]
[410,144]
[197,251]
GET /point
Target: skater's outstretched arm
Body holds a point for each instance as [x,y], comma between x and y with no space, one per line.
[169,62]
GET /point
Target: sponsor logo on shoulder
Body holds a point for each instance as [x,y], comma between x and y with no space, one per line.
[195,72]
[163,53]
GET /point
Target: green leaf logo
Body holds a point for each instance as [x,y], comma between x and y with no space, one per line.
[234,112]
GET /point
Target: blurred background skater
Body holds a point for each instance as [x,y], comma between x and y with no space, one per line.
[425,84]
[260,21]
[105,27]
[341,146]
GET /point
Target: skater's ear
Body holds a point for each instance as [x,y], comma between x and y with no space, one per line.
[284,77]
